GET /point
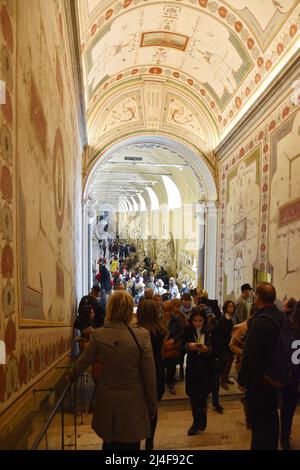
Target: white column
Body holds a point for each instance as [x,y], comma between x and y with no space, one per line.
[84,253]
[211,249]
[200,217]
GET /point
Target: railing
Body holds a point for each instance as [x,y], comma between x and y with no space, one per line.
[67,406]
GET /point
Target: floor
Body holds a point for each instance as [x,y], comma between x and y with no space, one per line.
[224,432]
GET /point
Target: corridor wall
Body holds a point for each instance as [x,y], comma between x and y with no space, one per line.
[40,193]
[259,223]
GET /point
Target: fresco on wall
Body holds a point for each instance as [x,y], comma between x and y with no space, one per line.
[277,237]
[284,231]
[242,221]
[39,184]
[46,237]
[8,301]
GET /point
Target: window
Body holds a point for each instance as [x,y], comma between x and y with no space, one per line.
[174,198]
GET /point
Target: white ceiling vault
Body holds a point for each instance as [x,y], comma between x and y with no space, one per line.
[184,69]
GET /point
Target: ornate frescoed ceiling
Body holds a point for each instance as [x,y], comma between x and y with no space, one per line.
[181,67]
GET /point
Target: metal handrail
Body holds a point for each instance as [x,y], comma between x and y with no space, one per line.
[52,414]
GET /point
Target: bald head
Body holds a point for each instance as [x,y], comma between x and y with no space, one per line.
[265,293]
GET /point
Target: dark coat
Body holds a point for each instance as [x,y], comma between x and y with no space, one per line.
[126,389]
[82,323]
[97,307]
[157,344]
[213,304]
[260,341]
[105,280]
[222,335]
[199,366]
[175,328]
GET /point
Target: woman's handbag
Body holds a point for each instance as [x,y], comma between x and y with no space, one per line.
[171,351]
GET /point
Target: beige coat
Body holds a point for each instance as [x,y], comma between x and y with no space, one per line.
[123,402]
[237,342]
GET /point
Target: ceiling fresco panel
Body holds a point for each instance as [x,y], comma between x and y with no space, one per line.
[264,17]
[122,112]
[183,115]
[226,51]
[208,53]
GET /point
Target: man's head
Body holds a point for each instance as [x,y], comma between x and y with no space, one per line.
[95,291]
[265,294]
[246,290]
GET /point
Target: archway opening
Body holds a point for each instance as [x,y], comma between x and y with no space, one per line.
[159,195]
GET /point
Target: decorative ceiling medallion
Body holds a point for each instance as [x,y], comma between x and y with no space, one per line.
[6,144]
[8,300]
[155,70]
[6,223]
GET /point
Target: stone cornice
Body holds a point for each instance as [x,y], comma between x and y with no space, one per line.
[281,87]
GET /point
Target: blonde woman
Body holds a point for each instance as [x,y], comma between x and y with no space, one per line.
[126,390]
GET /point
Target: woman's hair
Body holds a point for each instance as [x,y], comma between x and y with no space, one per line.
[167,306]
[148,317]
[225,306]
[157,297]
[291,304]
[120,307]
[198,312]
[175,304]
[186,297]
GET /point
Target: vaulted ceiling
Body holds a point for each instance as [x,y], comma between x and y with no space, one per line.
[185,69]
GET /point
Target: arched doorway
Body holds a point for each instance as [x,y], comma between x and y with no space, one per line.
[120,180]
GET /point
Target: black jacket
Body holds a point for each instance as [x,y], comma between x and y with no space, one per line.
[222,335]
[175,328]
[157,344]
[97,307]
[199,366]
[260,340]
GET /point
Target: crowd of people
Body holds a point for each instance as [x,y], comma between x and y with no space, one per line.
[139,355]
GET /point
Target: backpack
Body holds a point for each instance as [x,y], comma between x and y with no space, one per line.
[277,365]
[84,301]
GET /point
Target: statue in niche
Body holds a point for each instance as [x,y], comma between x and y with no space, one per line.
[170,256]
